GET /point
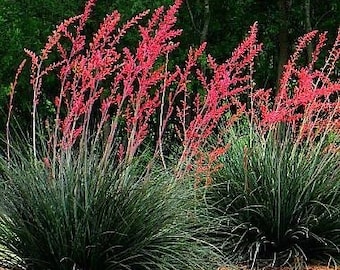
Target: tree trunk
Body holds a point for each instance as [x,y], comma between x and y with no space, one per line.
[206,16]
[283,40]
[308,26]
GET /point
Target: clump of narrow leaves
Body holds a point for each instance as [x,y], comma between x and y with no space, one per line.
[87,218]
[277,201]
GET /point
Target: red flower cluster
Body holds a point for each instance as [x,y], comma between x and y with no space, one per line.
[112,97]
[308,97]
[134,87]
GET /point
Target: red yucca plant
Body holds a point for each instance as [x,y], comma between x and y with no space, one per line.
[110,96]
[276,196]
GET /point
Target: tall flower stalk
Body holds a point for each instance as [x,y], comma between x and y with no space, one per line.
[111,96]
[308,97]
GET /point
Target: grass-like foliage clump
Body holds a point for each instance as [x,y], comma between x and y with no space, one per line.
[87,218]
[278,201]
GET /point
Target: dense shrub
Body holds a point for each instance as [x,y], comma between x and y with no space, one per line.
[277,201]
[87,218]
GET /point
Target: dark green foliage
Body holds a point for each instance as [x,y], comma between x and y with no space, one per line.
[89,218]
[277,202]
[27,24]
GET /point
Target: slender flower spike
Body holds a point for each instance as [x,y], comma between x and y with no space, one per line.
[308,97]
